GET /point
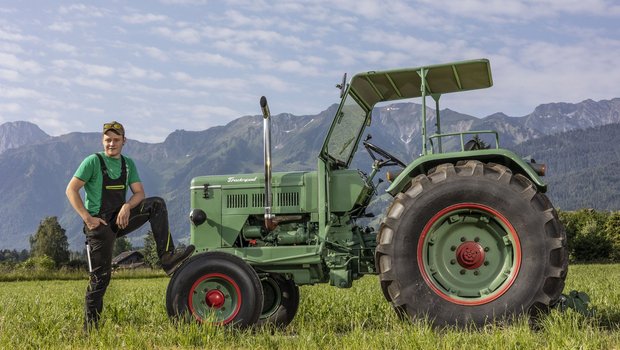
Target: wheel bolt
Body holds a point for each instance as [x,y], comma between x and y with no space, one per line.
[486,263]
[486,249]
[463,239]
[477,239]
[462,272]
[476,272]
[453,248]
[452,261]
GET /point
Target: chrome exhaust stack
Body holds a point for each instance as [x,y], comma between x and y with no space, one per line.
[269,217]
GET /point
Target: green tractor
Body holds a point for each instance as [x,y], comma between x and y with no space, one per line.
[469,238]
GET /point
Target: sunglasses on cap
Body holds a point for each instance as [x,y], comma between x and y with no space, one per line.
[114,126]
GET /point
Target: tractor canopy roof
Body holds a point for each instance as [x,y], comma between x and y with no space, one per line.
[369,88]
[373,87]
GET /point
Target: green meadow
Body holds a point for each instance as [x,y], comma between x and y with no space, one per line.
[48,315]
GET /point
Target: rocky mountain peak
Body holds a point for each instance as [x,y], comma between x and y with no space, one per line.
[20,133]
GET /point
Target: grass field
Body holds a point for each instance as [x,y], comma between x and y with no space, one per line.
[48,314]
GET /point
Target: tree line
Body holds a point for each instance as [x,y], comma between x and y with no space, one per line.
[49,250]
[592,236]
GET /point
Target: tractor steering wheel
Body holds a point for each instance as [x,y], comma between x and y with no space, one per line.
[376,150]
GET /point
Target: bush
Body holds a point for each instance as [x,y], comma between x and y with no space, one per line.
[39,263]
[76,265]
[612,230]
[592,235]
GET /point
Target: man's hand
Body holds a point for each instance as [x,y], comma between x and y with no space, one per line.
[94,222]
[122,219]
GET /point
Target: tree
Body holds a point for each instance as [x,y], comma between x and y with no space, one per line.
[50,240]
[121,244]
[150,251]
[612,230]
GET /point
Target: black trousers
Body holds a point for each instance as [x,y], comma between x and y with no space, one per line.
[101,244]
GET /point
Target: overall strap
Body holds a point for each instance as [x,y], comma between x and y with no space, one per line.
[104,168]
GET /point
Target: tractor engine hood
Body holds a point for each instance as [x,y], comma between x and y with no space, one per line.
[250,180]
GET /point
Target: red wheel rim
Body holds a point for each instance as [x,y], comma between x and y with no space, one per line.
[215,293]
[468,256]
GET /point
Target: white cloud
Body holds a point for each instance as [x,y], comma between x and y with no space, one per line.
[184,2]
[89,69]
[63,47]
[156,53]
[150,91]
[63,27]
[13,62]
[208,58]
[83,10]
[143,18]
[10,75]
[210,111]
[10,35]
[228,84]
[10,108]
[272,82]
[133,72]
[13,92]
[237,19]
[10,47]
[501,11]
[94,83]
[185,35]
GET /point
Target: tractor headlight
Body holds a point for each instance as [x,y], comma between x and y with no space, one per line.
[197,216]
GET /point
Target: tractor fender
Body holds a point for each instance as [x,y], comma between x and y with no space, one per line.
[497,155]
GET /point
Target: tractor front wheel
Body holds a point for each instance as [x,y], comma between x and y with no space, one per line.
[216,287]
[471,243]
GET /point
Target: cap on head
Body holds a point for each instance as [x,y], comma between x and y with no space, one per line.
[115,126]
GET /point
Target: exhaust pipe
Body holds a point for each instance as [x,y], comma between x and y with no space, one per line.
[269,222]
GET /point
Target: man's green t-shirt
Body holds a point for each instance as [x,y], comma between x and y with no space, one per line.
[90,172]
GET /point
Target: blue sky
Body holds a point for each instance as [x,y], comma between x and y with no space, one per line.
[158,66]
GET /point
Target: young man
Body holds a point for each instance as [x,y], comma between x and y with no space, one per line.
[107,214]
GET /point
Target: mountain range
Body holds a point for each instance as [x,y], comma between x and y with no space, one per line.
[578,142]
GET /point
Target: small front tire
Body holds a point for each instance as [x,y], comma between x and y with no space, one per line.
[216,287]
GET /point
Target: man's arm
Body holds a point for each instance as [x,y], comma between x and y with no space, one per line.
[122,219]
[73,194]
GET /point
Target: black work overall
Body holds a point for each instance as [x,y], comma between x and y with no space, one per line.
[101,239]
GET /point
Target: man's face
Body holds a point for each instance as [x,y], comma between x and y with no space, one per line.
[113,144]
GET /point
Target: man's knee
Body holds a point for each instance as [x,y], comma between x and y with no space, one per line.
[99,281]
[157,203]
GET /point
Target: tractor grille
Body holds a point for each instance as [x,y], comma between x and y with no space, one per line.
[287,199]
[237,201]
[257,200]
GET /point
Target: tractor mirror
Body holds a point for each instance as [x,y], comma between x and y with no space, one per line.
[342,86]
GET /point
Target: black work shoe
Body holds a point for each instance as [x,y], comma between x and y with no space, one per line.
[171,261]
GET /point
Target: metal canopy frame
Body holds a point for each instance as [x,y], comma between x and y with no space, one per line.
[373,87]
[370,88]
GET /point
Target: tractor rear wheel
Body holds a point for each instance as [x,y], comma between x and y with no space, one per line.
[216,287]
[471,243]
[280,302]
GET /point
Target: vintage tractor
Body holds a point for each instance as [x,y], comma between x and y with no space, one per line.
[469,238]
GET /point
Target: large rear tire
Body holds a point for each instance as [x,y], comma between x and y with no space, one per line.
[215,287]
[471,243]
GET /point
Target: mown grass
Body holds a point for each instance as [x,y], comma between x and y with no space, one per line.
[48,314]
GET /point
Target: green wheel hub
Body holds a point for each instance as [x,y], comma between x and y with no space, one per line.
[215,297]
[469,254]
